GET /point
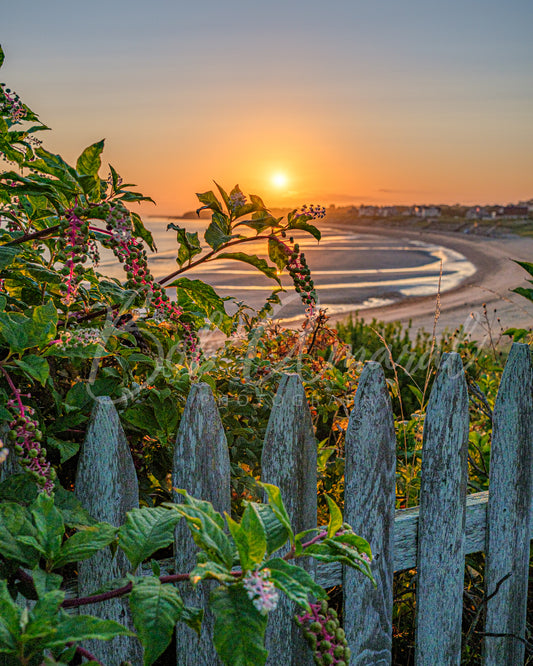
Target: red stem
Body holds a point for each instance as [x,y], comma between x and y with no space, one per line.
[14,389]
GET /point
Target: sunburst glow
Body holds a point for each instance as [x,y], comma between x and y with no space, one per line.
[279,180]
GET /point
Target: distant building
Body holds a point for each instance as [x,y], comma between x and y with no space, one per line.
[427,211]
[515,211]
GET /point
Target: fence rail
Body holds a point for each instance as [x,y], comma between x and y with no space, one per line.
[434,537]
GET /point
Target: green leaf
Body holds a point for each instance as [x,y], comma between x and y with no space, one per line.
[8,254]
[9,620]
[15,523]
[239,632]
[83,544]
[276,532]
[205,298]
[276,503]
[89,161]
[189,245]
[211,570]
[305,226]
[526,265]
[253,260]
[71,509]
[294,581]
[155,609]
[277,252]
[43,618]
[35,366]
[249,537]
[67,450]
[145,531]
[45,581]
[2,56]
[193,618]
[210,201]
[207,528]
[78,628]
[49,524]
[525,292]
[335,517]
[218,233]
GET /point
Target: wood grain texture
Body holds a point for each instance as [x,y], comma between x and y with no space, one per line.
[201,466]
[10,466]
[441,524]
[509,510]
[107,487]
[369,499]
[289,461]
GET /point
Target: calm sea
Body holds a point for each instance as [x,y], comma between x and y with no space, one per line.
[351,270]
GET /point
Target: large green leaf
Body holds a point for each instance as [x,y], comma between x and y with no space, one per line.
[8,254]
[83,544]
[9,620]
[89,161]
[36,367]
[207,528]
[78,628]
[205,298]
[189,244]
[15,523]
[250,537]
[276,503]
[294,581]
[277,252]
[218,232]
[49,525]
[305,226]
[253,260]
[335,517]
[145,531]
[275,530]
[155,609]
[239,632]
[210,201]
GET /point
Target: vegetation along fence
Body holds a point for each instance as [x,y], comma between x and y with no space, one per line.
[434,537]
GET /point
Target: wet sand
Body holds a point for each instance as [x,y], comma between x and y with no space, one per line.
[487,290]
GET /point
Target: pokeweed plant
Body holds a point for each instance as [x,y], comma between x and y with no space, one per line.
[69,333]
[243,557]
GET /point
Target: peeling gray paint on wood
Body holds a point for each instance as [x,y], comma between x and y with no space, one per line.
[201,466]
[440,573]
[369,499]
[10,466]
[107,487]
[289,461]
[509,511]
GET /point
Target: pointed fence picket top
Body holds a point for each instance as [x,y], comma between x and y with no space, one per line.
[201,466]
[441,524]
[369,499]
[289,461]
[509,511]
[107,487]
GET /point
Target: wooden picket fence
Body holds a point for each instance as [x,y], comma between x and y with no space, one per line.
[434,537]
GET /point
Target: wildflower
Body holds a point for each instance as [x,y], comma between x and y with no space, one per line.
[83,337]
[261,590]
[237,199]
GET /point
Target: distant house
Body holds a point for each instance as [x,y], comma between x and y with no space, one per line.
[477,213]
[368,211]
[427,211]
[515,211]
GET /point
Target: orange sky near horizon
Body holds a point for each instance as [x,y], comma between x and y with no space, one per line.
[353,102]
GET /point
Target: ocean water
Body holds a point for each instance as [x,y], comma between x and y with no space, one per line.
[351,270]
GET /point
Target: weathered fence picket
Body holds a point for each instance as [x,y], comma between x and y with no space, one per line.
[201,466]
[434,537]
[289,461]
[440,571]
[106,485]
[509,512]
[369,498]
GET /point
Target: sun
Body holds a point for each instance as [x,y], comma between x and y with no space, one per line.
[279,180]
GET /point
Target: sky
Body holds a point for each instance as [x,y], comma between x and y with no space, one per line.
[339,102]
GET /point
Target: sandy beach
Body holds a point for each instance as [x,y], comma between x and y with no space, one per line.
[488,289]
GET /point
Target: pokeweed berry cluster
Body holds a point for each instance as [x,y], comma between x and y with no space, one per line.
[311,212]
[11,105]
[131,253]
[26,437]
[301,275]
[76,339]
[324,635]
[73,250]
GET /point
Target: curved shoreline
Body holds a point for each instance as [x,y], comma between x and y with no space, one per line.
[488,290]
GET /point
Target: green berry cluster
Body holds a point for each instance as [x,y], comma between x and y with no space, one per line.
[301,275]
[324,635]
[26,439]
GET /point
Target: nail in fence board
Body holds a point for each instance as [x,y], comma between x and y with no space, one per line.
[440,577]
[289,461]
[201,467]
[107,487]
[369,499]
[509,510]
